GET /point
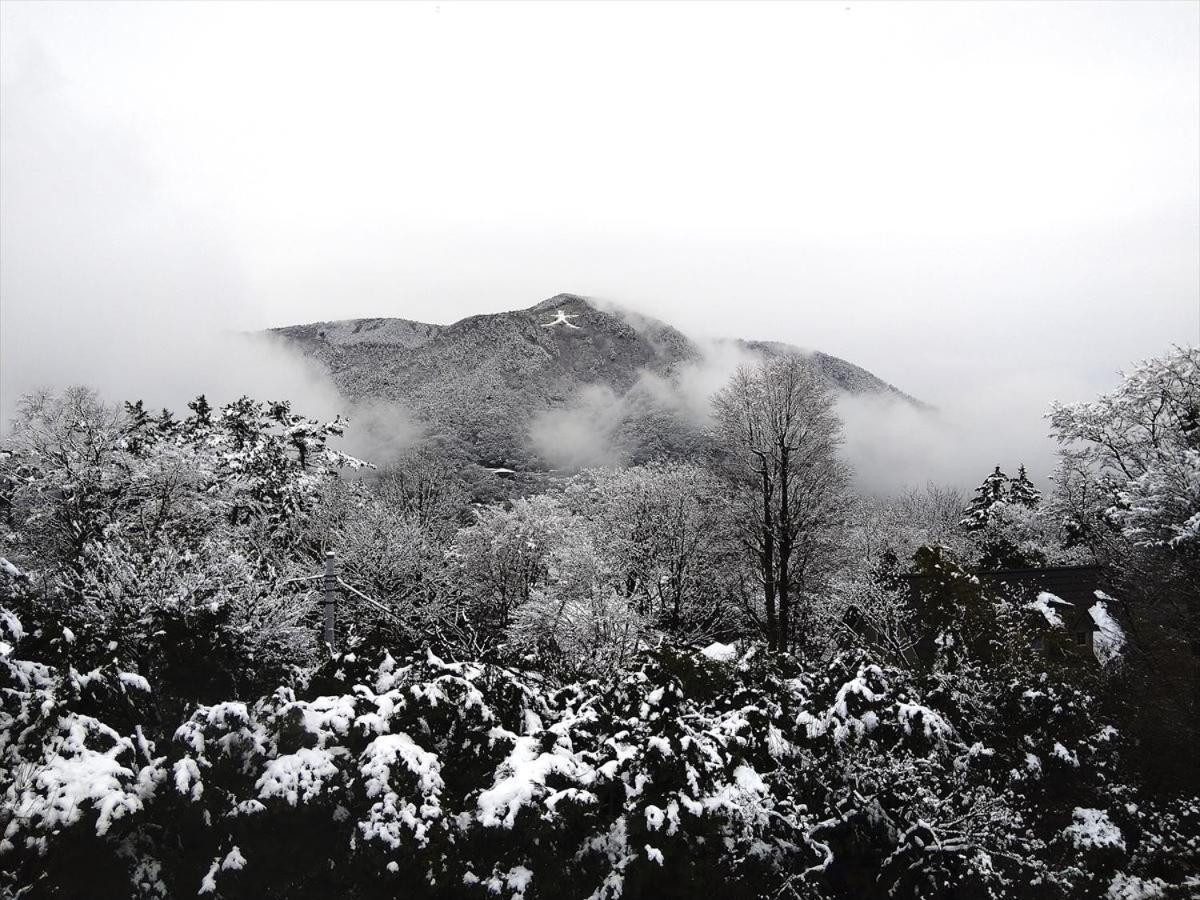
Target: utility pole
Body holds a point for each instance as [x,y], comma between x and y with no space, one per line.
[330,602]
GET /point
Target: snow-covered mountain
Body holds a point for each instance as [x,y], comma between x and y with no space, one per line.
[511,388]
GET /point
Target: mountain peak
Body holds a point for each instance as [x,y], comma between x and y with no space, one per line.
[561,301]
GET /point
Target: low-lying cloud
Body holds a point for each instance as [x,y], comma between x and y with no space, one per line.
[890,443]
[110,281]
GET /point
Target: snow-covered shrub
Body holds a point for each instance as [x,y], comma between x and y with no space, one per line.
[420,776]
[166,542]
[167,727]
[1166,859]
[78,772]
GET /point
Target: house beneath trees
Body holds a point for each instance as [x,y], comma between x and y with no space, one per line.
[1067,591]
[1062,595]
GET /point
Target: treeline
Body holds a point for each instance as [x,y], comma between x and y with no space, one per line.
[654,679]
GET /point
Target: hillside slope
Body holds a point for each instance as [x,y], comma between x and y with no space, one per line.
[483,385]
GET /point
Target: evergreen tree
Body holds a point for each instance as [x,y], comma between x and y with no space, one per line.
[201,416]
[137,426]
[1022,491]
[996,488]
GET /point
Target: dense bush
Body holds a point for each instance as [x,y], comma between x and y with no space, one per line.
[375,776]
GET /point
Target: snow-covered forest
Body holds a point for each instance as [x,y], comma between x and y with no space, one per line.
[727,672]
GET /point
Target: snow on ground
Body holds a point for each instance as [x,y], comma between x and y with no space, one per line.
[719,652]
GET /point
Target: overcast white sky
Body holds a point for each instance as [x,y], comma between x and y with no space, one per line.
[989,205]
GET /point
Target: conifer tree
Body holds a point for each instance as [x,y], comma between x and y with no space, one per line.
[995,489]
[1022,491]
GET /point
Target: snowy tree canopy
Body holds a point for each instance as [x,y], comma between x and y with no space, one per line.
[1141,444]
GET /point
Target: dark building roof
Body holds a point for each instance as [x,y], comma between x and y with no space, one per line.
[1076,585]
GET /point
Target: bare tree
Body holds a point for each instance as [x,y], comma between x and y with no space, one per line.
[59,472]
[665,529]
[888,530]
[776,425]
[426,489]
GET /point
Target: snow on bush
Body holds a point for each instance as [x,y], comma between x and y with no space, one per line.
[719,652]
[930,723]
[77,778]
[1130,887]
[464,779]
[1092,828]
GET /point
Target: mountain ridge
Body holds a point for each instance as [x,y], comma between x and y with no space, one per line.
[489,383]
